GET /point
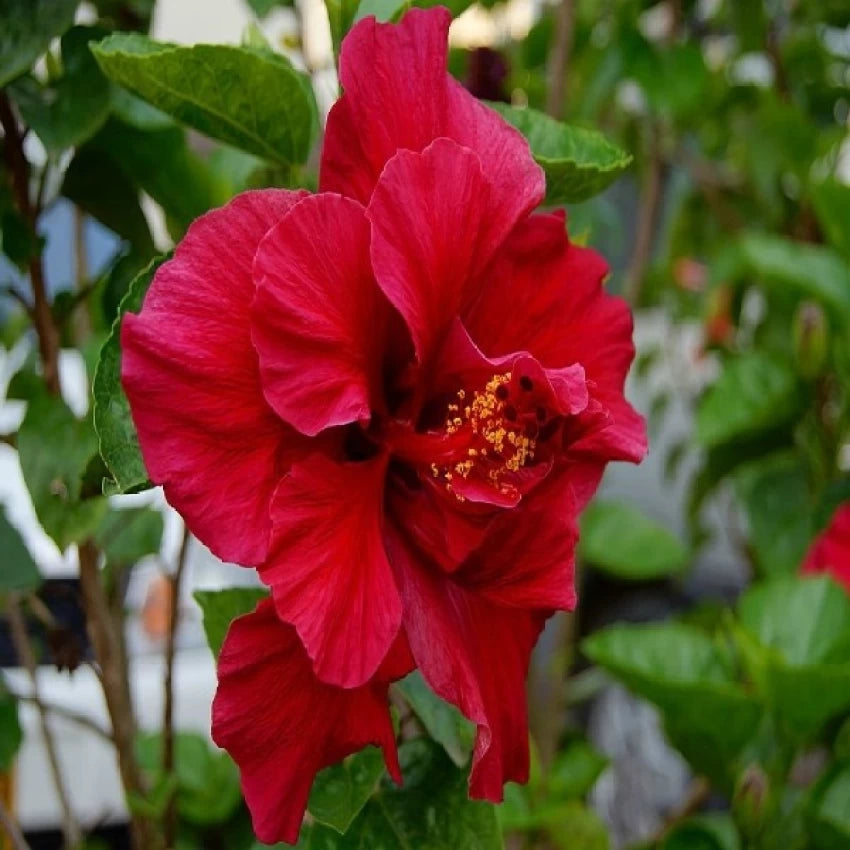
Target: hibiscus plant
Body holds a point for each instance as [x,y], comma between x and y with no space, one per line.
[371,351]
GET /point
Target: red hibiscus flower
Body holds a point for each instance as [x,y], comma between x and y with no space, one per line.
[830,550]
[392,398]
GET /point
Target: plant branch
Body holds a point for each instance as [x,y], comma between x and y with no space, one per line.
[774,52]
[42,185]
[67,714]
[48,337]
[115,684]
[698,792]
[175,581]
[26,655]
[80,319]
[11,829]
[41,612]
[559,58]
[649,209]
[10,292]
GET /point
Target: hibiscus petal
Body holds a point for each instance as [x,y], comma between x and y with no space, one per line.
[620,436]
[561,314]
[318,317]
[281,725]
[327,567]
[192,378]
[527,559]
[830,550]
[462,363]
[398,95]
[552,288]
[474,654]
[435,226]
[432,519]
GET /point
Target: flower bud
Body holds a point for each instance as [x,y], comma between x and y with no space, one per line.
[719,324]
[750,801]
[810,334]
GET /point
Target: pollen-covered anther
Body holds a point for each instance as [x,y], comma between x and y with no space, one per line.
[502,432]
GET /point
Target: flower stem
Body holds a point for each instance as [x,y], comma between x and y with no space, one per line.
[26,656]
[175,582]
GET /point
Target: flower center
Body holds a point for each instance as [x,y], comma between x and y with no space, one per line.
[500,423]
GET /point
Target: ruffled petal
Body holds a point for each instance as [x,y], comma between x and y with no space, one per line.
[433,522]
[461,363]
[560,313]
[398,95]
[474,654]
[611,429]
[318,319]
[282,725]
[435,225]
[527,559]
[327,567]
[192,378]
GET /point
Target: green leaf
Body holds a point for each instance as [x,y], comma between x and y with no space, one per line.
[432,811]
[100,187]
[831,201]
[252,99]
[19,572]
[829,810]
[806,620]
[575,770]
[619,539]
[815,271]
[775,495]
[66,114]
[55,448]
[235,168]
[578,163]
[654,657]
[221,607]
[443,722]
[704,832]
[10,729]
[263,7]
[115,284]
[392,10]
[126,536]
[138,113]
[119,443]
[567,824]
[340,791]
[160,163]
[673,78]
[341,15]
[753,394]
[18,241]
[680,669]
[574,826]
[26,29]
[383,10]
[801,629]
[154,802]
[515,811]
[207,779]
[806,698]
